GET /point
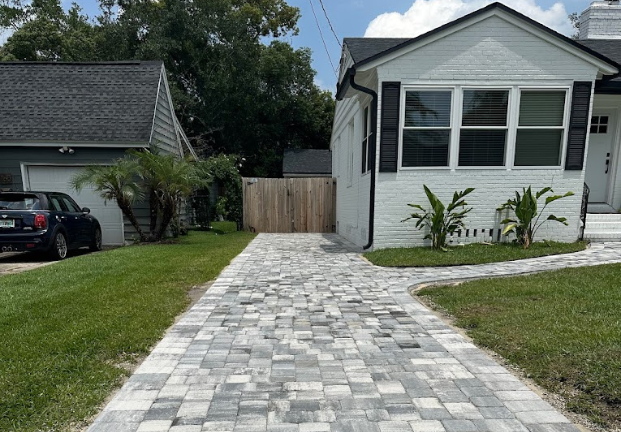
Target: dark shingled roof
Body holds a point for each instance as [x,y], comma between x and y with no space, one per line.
[307,161]
[364,48]
[78,102]
[611,48]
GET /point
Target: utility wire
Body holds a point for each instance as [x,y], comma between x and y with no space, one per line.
[338,41]
[325,46]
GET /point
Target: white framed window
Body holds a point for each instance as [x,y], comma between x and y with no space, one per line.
[510,126]
[366,134]
[541,127]
[484,127]
[426,131]
[336,151]
[350,152]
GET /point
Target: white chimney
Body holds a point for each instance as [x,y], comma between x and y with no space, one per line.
[601,20]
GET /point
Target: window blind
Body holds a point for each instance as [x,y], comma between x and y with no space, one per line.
[485,107]
[425,148]
[428,109]
[483,135]
[536,147]
[482,147]
[542,108]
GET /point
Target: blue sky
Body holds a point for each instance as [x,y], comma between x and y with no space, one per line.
[353,18]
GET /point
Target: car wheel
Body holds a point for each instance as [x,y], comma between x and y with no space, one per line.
[96,244]
[59,248]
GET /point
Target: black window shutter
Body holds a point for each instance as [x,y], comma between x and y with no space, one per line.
[578,125]
[389,141]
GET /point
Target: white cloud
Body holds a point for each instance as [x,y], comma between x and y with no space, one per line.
[425,15]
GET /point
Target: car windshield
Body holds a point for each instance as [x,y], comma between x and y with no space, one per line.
[18,202]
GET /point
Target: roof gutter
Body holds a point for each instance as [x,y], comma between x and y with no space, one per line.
[372,141]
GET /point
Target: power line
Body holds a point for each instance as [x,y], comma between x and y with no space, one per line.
[338,41]
[325,46]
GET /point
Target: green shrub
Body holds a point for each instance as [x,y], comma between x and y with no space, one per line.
[441,220]
[527,217]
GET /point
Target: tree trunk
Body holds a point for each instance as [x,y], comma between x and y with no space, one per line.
[127,210]
[153,207]
[167,214]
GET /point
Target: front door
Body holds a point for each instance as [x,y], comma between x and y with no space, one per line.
[599,159]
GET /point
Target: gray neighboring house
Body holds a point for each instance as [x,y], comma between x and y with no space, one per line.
[56,118]
[307,163]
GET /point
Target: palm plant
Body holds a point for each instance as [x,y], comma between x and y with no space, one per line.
[441,220]
[527,217]
[116,182]
[168,181]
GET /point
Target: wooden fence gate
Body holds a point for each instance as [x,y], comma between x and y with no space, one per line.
[302,205]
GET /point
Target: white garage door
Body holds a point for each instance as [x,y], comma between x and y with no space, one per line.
[56,179]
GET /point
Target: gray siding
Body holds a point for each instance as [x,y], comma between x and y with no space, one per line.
[11,159]
[164,136]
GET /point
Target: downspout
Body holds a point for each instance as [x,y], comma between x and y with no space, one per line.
[372,149]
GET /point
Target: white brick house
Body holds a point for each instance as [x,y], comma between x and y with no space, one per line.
[494,101]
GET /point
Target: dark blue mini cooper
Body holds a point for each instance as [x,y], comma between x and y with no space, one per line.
[49,222]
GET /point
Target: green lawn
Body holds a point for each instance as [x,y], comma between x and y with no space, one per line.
[224,227]
[65,328]
[562,328]
[469,254]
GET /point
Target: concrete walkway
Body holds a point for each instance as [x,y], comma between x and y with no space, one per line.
[300,334]
[15,262]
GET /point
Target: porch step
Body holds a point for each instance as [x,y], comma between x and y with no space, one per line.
[605,217]
[602,236]
[603,227]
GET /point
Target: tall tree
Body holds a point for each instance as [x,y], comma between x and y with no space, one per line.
[233,93]
[43,31]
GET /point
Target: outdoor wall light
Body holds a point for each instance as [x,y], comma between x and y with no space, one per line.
[66,149]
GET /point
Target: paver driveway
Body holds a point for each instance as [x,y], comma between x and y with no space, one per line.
[300,334]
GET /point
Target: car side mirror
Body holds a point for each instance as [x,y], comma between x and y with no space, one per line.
[86,210]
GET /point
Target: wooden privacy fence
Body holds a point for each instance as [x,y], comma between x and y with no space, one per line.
[302,205]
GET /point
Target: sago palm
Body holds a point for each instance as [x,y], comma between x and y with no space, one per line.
[117,182]
[169,180]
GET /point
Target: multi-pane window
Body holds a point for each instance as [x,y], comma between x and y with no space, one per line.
[350,152]
[427,128]
[486,127]
[483,135]
[541,128]
[366,133]
[599,124]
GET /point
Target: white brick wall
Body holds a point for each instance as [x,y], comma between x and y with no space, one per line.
[490,52]
[601,20]
[492,188]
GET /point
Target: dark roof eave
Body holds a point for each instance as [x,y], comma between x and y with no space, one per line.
[608,86]
[343,86]
[68,142]
[480,12]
